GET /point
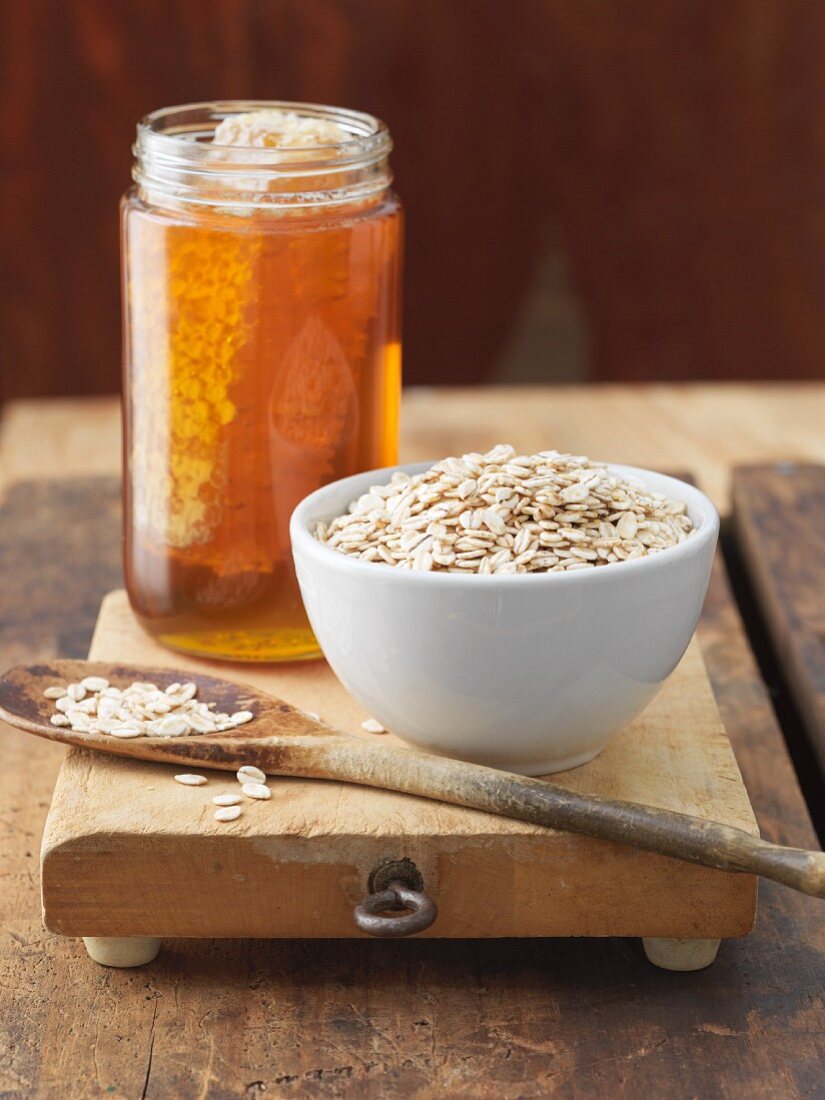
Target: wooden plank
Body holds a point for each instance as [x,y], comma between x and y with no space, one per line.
[53,572]
[66,536]
[779,520]
[57,439]
[707,429]
[297,865]
[385,1021]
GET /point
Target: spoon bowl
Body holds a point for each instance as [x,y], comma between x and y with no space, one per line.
[23,704]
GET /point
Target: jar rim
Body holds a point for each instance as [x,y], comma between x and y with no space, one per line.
[183,132]
[176,162]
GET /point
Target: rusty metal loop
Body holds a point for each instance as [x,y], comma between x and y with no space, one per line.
[395,870]
[371,917]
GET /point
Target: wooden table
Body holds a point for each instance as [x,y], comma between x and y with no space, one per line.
[498,1019]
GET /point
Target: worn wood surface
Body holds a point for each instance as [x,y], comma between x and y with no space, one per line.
[429,1019]
[117,825]
[779,518]
[705,429]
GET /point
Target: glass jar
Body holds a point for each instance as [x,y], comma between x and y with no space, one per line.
[262,359]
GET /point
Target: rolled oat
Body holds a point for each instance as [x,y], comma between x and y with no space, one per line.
[500,513]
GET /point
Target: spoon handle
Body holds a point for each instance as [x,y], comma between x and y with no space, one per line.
[351,760]
[666,832]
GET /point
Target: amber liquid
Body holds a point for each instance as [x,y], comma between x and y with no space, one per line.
[262,360]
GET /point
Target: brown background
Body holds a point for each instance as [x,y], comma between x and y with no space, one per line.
[617,189]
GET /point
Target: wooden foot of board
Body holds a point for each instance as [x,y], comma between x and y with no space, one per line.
[122,950]
[680,954]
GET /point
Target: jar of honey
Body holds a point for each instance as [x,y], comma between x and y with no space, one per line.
[261,251]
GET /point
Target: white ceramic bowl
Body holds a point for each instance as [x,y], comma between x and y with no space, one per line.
[532,673]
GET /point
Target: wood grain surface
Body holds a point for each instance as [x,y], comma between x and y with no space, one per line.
[647,175]
[297,865]
[504,1019]
[704,429]
[499,1019]
[779,518]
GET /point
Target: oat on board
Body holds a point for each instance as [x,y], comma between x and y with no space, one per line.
[500,513]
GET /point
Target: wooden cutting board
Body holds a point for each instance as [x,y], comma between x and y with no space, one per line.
[128,852]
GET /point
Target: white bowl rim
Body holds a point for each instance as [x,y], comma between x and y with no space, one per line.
[699,506]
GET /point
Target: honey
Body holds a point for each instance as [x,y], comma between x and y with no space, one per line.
[262,360]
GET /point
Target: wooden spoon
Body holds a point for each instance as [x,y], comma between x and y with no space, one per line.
[282,740]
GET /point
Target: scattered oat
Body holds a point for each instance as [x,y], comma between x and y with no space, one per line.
[94,683]
[174,725]
[200,724]
[227,799]
[250,774]
[228,813]
[372,725]
[141,709]
[256,790]
[191,780]
[500,513]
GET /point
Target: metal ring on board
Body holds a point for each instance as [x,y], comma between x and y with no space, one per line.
[372,916]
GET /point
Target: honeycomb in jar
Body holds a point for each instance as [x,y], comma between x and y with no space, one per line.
[272,128]
[183,395]
[186,331]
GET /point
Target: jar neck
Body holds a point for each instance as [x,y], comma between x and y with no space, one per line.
[177,164]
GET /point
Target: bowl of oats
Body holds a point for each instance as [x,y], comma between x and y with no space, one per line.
[513,610]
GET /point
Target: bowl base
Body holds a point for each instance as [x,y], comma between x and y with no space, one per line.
[542,767]
[550,767]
